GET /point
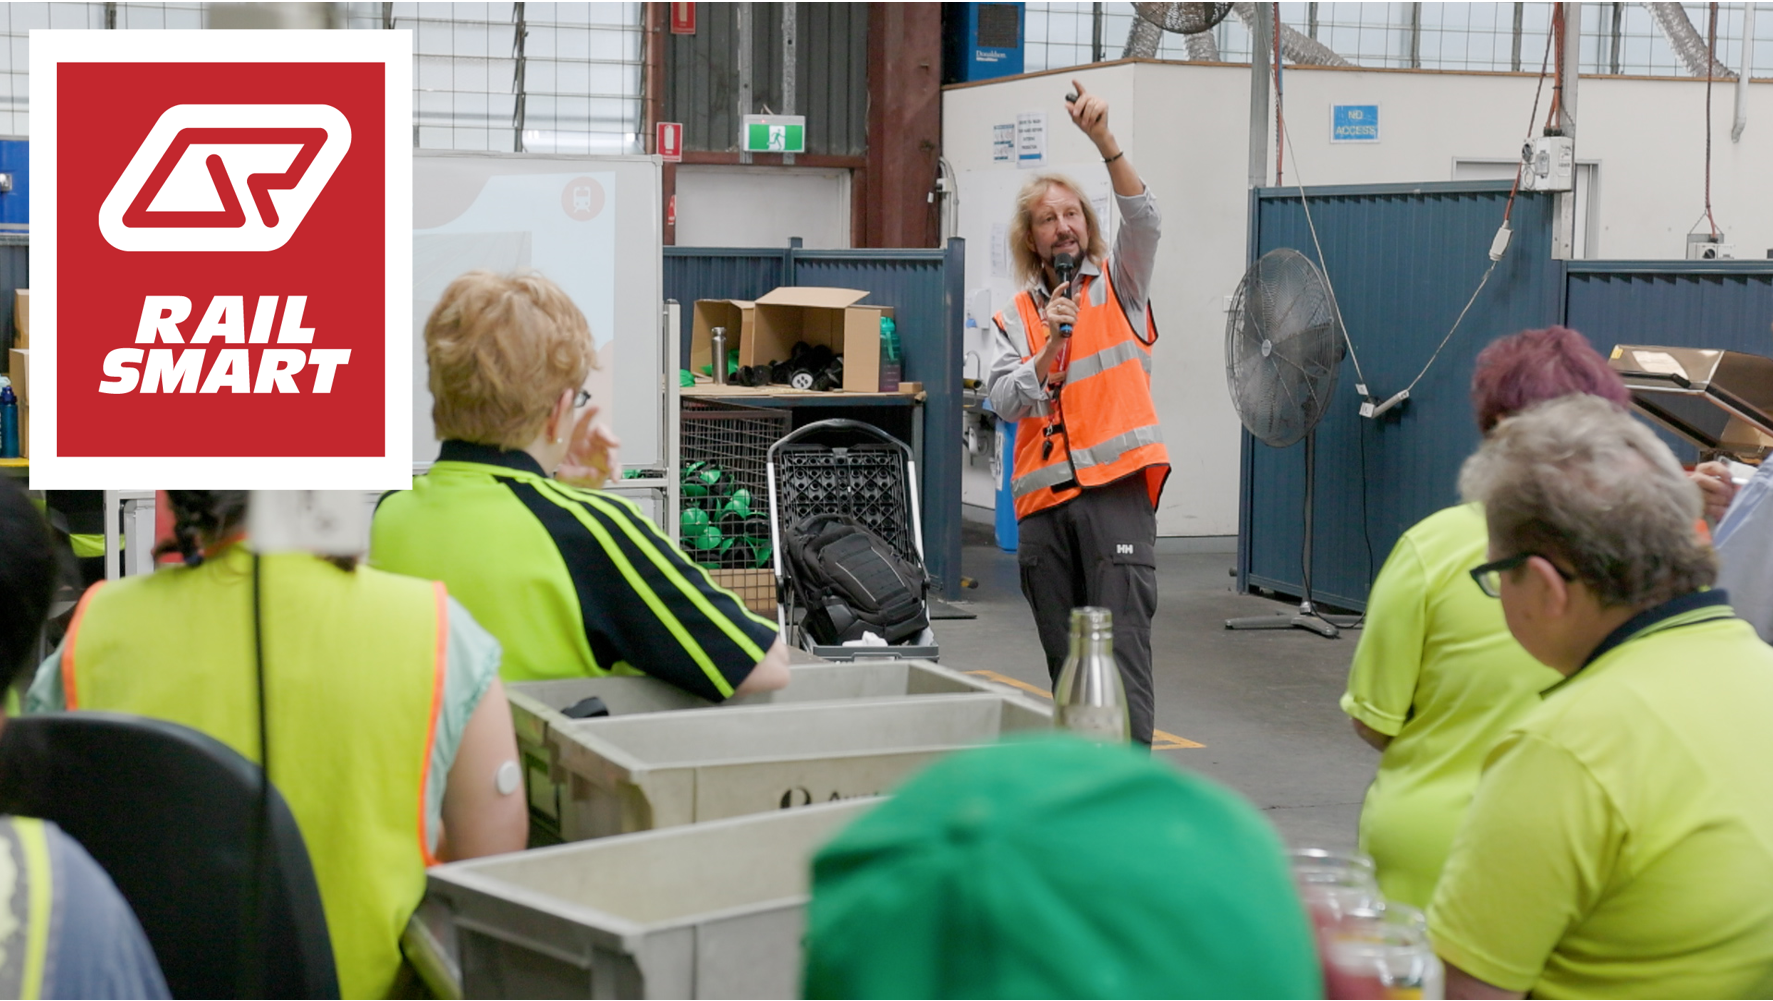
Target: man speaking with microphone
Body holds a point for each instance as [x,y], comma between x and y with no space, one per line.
[1072,366]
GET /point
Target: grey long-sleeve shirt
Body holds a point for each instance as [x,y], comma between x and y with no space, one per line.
[1010,382]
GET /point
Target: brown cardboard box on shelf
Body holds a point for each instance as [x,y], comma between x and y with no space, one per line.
[18,368]
[21,318]
[756,588]
[828,316]
[736,315]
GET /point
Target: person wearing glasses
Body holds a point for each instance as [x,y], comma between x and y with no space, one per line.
[571,580]
[1436,677]
[1620,842]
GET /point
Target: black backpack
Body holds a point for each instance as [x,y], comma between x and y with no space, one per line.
[851,581]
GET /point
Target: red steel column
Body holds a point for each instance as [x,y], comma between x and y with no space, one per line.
[891,195]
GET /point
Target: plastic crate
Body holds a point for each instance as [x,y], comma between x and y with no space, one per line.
[638,773]
[709,911]
[867,482]
[724,451]
[536,711]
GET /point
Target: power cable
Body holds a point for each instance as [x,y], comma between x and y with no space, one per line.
[1711,58]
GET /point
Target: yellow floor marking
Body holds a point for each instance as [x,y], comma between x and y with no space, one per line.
[1161,740]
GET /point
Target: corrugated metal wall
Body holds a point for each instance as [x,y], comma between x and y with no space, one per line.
[1699,304]
[925,289]
[1403,259]
[831,75]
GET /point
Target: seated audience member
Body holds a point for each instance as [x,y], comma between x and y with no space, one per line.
[67,932]
[390,737]
[573,581]
[1620,843]
[1436,677]
[1057,868]
[1744,540]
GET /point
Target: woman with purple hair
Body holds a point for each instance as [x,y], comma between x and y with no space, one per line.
[1437,677]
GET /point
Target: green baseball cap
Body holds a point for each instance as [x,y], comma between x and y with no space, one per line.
[1057,868]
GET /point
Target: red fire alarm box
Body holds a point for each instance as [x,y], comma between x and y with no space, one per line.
[683,19]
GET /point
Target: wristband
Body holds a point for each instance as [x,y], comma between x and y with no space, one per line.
[1115,157]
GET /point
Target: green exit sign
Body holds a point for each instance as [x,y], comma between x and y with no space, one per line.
[774,134]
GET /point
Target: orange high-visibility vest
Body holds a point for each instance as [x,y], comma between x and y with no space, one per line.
[1102,424]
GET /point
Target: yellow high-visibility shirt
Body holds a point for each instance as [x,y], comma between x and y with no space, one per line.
[1621,841]
[1438,672]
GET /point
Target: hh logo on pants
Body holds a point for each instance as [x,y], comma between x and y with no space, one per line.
[225,238]
[1123,549]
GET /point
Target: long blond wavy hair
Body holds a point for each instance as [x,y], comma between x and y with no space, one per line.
[1026,261]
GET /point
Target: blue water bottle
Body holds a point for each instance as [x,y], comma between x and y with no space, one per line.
[8,420]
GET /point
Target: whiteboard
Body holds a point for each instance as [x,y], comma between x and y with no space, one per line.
[590,223]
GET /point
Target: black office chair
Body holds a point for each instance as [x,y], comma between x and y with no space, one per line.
[170,814]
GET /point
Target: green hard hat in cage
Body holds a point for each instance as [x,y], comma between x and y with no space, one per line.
[707,538]
[737,506]
[761,550]
[693,520]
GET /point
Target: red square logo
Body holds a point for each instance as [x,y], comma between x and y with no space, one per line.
[221,259]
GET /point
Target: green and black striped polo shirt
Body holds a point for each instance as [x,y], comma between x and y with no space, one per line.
[572,582]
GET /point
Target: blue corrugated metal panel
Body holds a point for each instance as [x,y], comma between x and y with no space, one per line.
[924,287]
[1699,304]
[1403,259]
[693,273]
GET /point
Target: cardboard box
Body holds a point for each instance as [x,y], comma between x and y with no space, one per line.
[736,315]
[756,588]
[21,318]
[18,368]
[828,316]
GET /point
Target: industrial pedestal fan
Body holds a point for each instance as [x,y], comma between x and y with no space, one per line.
[1283,346]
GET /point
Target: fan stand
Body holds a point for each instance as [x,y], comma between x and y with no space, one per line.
[1309,618]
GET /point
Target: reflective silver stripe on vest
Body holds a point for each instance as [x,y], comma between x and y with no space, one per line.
[1010,319]
[1107,358]
[1040,479]
[1115,447]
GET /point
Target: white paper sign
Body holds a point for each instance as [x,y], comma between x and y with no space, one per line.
[1003,143]
[1031,139]
[1000,250]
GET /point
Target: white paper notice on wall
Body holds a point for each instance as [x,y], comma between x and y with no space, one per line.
[1031,139]
[1000,250]
[1003,143]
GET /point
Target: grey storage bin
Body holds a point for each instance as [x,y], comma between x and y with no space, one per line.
[707,911]
[536,709]
[637,773]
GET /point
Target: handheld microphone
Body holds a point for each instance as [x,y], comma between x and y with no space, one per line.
[1065,266]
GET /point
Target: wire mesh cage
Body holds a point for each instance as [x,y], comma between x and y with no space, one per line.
[725,516]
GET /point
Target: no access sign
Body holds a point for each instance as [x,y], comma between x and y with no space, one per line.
[1354,123]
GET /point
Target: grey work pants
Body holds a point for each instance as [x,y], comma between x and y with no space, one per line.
[1099,549]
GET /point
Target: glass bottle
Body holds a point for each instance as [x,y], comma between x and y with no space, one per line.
[1091,701]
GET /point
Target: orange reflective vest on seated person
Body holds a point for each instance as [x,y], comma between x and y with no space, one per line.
[1101,425]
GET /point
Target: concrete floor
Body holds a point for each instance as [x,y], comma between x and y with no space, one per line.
[1263,703]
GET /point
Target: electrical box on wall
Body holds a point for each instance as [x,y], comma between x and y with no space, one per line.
[1550,164]
[1706,247]
[983,40]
